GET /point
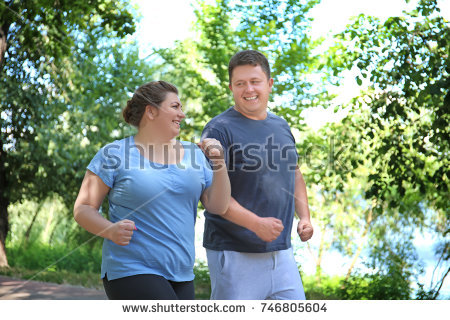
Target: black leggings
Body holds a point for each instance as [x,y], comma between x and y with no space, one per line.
[148,287]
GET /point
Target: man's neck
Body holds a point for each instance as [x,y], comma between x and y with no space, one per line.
[262,115]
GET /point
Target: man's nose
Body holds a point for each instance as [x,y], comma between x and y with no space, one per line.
[249,87]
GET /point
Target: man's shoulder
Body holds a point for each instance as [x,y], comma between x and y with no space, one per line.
[221,121]
[275,118]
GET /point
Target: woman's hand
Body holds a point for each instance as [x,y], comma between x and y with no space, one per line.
[216,197]
[213,150]
[121,232]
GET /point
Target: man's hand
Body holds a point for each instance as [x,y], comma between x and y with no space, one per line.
[268,229]
[305,230]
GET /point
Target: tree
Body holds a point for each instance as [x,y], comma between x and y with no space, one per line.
[404,120]
[37,41]
[202,63]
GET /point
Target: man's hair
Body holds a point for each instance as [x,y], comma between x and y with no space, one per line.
[249,57]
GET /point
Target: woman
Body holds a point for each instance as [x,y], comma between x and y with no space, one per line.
[154,183]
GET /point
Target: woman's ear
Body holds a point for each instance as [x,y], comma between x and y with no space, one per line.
[151,112]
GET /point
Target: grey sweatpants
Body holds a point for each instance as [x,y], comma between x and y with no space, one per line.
[254,276]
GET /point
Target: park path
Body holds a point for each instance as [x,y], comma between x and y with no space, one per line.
[15,289]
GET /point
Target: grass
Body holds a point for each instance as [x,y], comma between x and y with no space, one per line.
[85,279]
[63,264]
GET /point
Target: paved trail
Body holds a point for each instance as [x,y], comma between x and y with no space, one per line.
[14,289]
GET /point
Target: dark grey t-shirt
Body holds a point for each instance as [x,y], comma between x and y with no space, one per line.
[261,160]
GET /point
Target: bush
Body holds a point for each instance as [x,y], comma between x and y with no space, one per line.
[327,288]
[202,281]
[55,258]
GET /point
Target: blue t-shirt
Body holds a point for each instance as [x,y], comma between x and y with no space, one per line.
[261,159]
[161,200]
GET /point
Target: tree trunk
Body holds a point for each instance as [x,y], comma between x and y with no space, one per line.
[3,43]
[28,232]
[361,245]
[4,202]
[319,256]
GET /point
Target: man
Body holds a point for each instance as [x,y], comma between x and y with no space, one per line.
[249,248]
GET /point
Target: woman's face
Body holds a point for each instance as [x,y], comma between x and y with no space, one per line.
[169,115]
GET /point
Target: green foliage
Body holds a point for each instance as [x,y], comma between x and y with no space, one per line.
[200,66]
[41,153]
[373,180]
[84,279]
[202,281]
[58,111]
[325,289]
[55,258]
[375,287]
[406,61]
[42,29]
[401,125]
[281,30]
[390,274]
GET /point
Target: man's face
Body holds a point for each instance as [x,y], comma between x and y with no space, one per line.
[251,90]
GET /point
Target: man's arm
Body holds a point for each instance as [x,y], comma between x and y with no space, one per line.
[268,228]
[304,228]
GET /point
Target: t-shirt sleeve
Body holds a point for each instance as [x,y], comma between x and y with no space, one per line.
[211,132]
[105,164]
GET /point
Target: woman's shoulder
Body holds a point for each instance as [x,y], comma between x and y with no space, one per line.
[116,149]
[189,145]
[120,143]
[195,153]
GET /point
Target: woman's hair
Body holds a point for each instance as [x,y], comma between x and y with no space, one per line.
[152,93]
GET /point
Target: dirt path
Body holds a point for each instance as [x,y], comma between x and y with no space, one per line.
[15,289]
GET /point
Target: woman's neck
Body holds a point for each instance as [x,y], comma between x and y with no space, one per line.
[164,151]
[145,139]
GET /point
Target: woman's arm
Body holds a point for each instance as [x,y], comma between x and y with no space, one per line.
[92,192]
[217,196]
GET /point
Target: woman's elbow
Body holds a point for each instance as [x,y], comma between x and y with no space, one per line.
[218,208]
[77,212]
[222,211]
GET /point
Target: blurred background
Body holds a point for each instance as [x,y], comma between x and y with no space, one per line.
[364,86]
